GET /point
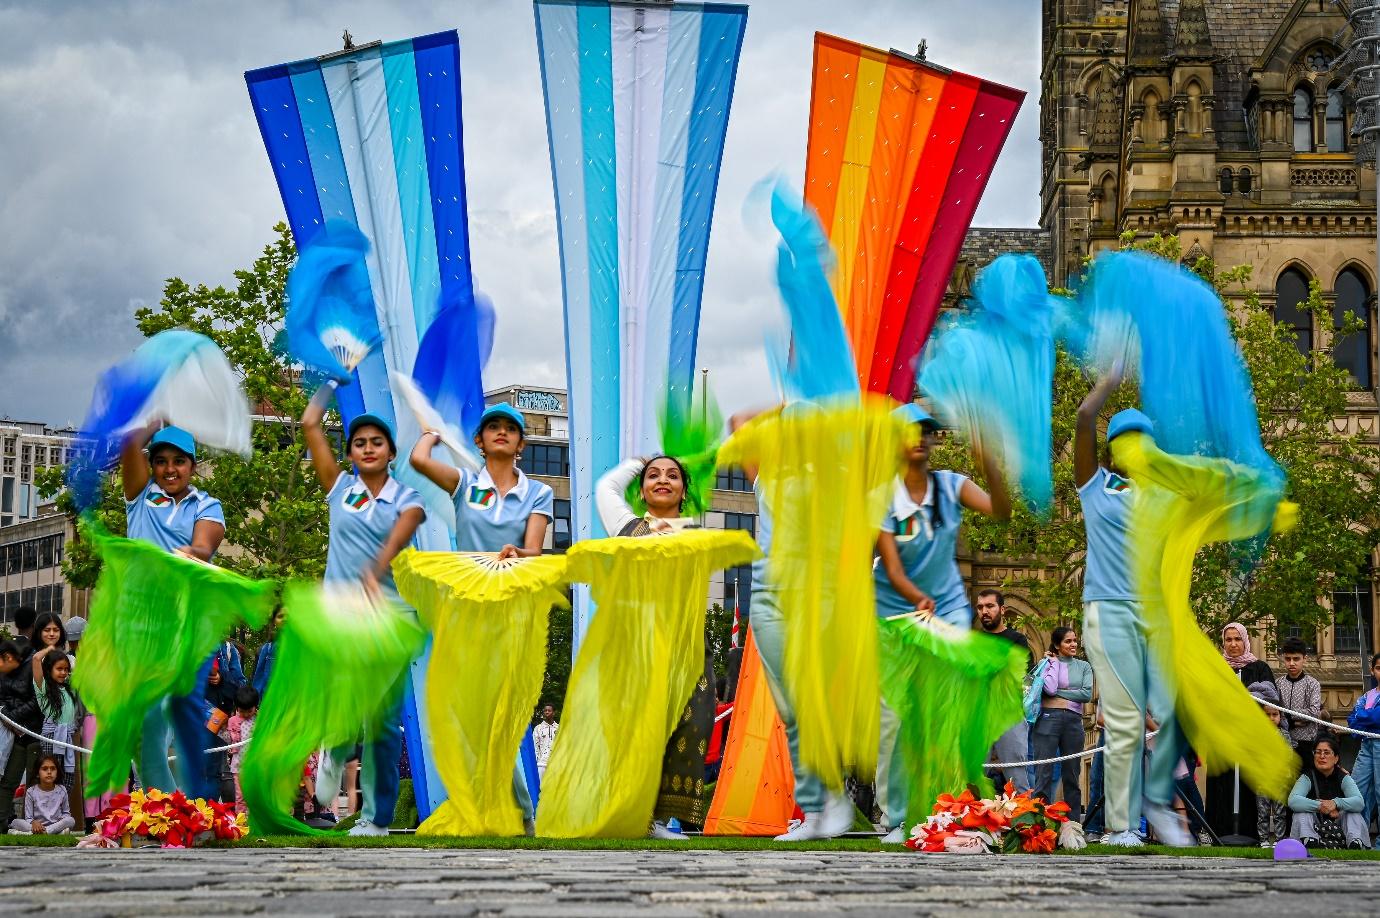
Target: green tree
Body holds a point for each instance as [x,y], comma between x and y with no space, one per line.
[1299,398]
[275,511]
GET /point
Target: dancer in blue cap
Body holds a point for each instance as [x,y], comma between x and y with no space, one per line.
[497,509]
[162,506]
[916,570]
[1114,636]
[373,516]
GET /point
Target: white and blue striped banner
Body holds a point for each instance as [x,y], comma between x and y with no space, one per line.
[637,103]
[373,138]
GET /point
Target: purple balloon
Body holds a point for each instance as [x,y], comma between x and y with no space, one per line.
[1290,849]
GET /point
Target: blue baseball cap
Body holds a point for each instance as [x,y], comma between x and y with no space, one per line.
[175,437]
[371,420]
[1128,421]
[502,410]
[912,413]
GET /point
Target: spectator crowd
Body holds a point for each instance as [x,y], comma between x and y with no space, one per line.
[1329,806]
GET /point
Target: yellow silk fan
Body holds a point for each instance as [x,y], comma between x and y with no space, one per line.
[488,621]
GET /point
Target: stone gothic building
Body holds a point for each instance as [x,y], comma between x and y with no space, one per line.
[1220,121]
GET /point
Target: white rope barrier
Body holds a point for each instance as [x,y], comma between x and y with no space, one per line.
[1337,728]
[1063,758]
[1326,723]
[62,745]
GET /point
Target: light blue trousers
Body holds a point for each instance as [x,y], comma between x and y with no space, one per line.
[181,719]
[1366,774]
[769,633]
[1130,686]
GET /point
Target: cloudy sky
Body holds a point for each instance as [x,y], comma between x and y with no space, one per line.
[129,154]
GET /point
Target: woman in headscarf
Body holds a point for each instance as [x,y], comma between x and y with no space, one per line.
[1229,811]
[664,485]
[1236,649]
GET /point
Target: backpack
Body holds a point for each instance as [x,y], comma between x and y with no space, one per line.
[1034,689]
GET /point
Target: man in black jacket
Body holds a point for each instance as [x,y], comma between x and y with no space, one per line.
[19,704]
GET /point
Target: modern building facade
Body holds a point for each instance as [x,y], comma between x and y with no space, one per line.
[33,535]
[26,447]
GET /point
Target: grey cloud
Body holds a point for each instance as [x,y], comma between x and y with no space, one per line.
[131,154]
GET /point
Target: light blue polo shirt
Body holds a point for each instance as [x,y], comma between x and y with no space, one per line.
[486,522]
[155,517]
[1106,499]
[927,541]
[360,524]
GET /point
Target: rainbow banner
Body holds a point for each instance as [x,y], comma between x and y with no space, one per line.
[372,137]
[637,103]
[898,156]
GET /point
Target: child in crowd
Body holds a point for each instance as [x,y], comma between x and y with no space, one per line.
[46,807]
[1298,691]
[239,729]
[1271,815]
[51,674]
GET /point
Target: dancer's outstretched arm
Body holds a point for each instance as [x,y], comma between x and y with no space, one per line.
[1085,435]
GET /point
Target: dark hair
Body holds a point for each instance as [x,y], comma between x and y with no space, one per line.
[684,478]
[246,698]
[1058,636]
[1373,660]
[1293,645]
[43,621]
[10,648]
[991,591]
[51,687]
[24,619]
[48,757]
[1326,736]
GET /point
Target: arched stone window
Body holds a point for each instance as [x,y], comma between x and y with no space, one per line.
[1108,205]
[1352,353]
[1193,115]
[1225,180]
[1335,125]
[1291,292]
[1152,122]
[1243,180]
[1303,120]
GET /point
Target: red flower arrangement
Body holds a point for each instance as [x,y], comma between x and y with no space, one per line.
[1010,822]
[170,819]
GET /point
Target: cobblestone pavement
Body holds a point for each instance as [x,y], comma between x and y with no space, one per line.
[569,884]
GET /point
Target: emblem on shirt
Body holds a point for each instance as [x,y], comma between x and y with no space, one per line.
[158,500]
[481,498]
[1116,484]
[907,529]
[356,502]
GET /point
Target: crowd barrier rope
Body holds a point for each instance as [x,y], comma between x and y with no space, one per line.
[1343,728]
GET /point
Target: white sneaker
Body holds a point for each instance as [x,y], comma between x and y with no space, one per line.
[806,829]
[1169,828]
[896,836]
[366,829]
[660,830]
[1127,839]
[837,817]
